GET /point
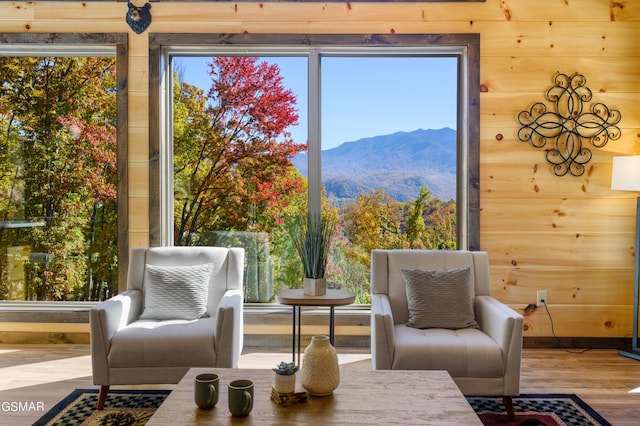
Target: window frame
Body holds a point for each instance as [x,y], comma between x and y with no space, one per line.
[467,47]
[91,44]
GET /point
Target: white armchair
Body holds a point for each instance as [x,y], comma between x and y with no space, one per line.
[482,361]
[127,349]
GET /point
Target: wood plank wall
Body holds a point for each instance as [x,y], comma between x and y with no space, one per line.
[571,236]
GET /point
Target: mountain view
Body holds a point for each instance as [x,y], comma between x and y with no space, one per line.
[399,163]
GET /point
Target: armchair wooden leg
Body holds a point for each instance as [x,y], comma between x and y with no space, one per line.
[102,396]
[508,405]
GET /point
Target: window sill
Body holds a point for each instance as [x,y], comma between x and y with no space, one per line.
[264,324]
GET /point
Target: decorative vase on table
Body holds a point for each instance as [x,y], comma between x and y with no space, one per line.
[314,286]
[320,368]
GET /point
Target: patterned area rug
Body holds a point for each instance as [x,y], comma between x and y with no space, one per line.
[123,408]
[538,410]
[135,407]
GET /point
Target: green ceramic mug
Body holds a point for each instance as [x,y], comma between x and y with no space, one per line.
[240,397]
[205,390]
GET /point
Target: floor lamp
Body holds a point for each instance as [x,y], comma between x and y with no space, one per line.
[625,176]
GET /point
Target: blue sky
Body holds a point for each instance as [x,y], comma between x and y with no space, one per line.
[363,96]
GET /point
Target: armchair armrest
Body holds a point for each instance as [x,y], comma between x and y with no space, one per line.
[105,319]
[382,332]
[504,326]
[229,329]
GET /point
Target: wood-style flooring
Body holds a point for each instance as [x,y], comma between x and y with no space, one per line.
[47,373]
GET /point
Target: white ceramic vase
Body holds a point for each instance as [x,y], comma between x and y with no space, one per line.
[320,368]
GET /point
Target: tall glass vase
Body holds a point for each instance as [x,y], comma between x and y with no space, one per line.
[320,368]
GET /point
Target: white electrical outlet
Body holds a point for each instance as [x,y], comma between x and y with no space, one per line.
[542,298]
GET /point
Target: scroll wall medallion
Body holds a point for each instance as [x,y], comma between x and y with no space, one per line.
[568,129]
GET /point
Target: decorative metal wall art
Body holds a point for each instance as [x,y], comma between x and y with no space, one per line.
[138,18]
[569,127]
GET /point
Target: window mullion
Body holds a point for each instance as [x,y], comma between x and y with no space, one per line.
[314,137]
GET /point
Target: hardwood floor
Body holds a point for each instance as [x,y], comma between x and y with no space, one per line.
[47,373]
[606,381]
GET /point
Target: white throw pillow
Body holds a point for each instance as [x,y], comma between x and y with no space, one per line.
[176,292]
[439,298]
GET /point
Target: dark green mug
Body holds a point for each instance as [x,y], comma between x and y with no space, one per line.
[205,390]
[240,397]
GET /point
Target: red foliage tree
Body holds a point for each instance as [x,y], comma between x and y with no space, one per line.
[232,153]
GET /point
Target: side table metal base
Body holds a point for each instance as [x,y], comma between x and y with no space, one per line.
[296,337]
[297,299]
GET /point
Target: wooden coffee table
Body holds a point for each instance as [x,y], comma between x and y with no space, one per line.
[363,397]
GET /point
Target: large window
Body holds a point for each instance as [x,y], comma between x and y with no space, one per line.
[380,133]
[63,203]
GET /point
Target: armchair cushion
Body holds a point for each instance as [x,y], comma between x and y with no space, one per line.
[463,353]
[176,292]
[169,343]
[439,298]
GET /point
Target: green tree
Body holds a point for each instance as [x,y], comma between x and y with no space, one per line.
[416,226]
[441,224]
[58,116]
[373,222]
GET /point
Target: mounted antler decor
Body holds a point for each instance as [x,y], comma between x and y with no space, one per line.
[568,127]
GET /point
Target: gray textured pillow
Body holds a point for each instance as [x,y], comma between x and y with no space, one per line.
[439,298]
[176,292]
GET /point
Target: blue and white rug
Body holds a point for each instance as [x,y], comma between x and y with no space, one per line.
[538,410]
[123,407]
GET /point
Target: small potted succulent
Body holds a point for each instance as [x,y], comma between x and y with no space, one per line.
[285,379]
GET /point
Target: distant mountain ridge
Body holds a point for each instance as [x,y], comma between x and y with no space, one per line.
[400,163]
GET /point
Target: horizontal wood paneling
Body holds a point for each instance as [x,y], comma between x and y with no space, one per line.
[52,337]
[45,327]
[18,11]
[558,39]
[568,215]
[571,236]
[516,74]
[579,321]
[534,180]
[565,286]
[99,11]
[566,249]
[492,10]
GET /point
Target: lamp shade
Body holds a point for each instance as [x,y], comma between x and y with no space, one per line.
[625,175]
